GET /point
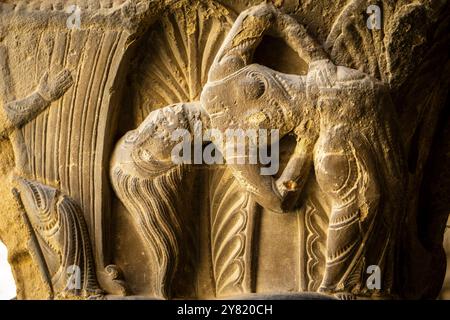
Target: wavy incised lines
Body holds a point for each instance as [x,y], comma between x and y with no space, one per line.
[230,210]
[152,203]
[60,228]
[65,144]
[315,227]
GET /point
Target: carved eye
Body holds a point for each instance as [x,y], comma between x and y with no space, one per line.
[255,86]
[132,136]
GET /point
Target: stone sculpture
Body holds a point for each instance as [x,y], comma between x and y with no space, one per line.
[62,235]
[342,122]
[91,114]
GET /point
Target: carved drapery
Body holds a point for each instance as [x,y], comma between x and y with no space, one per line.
[130,58]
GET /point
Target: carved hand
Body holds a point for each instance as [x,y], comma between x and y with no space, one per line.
[54,90]
[295,175]
[322,75]
[21,111]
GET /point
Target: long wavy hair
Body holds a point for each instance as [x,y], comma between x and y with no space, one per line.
[152,202]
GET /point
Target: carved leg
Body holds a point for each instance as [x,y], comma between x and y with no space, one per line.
[347,177]
[343,241]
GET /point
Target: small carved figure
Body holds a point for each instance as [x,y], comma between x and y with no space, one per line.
[59,226]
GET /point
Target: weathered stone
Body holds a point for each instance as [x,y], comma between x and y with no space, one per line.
[97,99]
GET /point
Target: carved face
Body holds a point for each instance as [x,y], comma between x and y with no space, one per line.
[147,149]
[253,97]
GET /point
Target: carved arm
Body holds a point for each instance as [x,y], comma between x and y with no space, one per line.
[295,175]
[262,187]
[247,32]
[238,47]
[16,113]
[296,36]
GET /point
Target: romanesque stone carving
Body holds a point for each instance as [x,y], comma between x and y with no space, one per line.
[62,236]
[342,121]
[149,184]
[344,127]
[94,108]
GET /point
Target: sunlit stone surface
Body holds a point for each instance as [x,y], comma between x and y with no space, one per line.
[351,202]
[7,285]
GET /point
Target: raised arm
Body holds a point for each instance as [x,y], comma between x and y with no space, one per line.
[16,113]
[296,36]
[247,32]
[238,47]
[293,179]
